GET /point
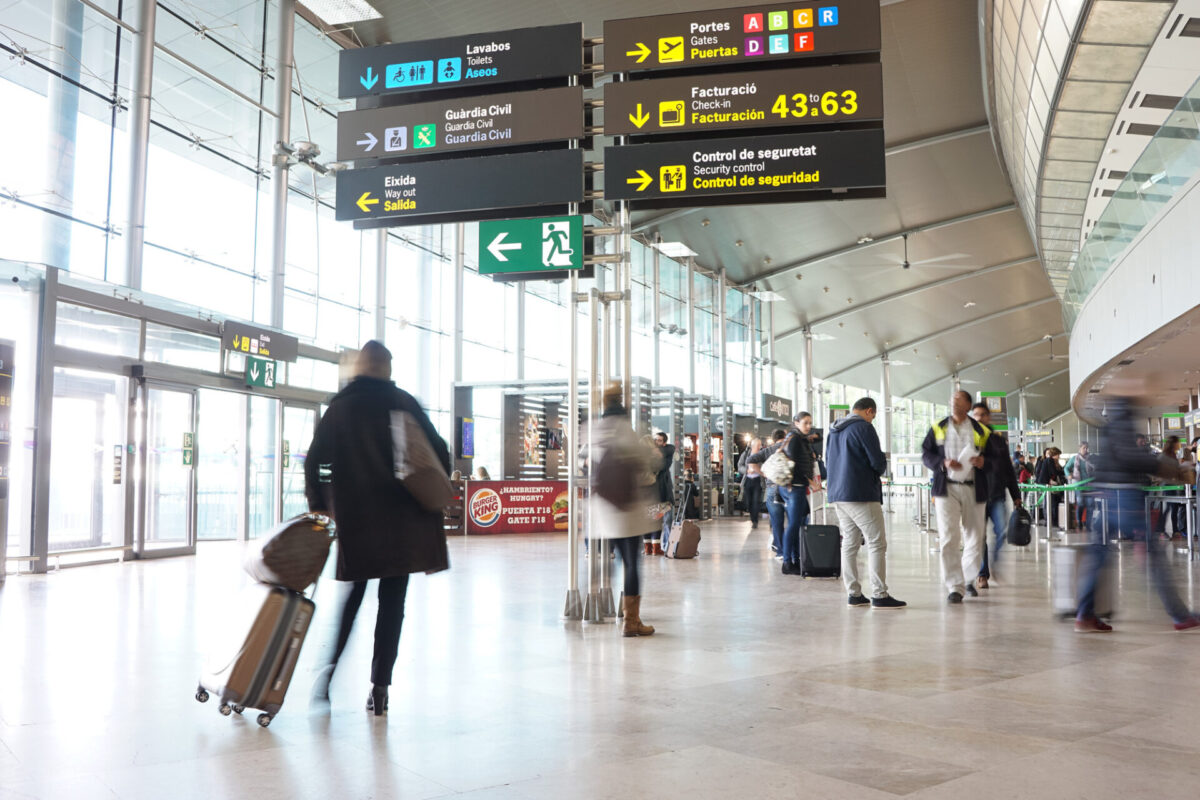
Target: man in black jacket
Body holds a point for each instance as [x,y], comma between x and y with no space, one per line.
[1001,477]
[954,451]
[383,532]
[666,492]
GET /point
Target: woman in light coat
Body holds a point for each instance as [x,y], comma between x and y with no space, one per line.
[613,437]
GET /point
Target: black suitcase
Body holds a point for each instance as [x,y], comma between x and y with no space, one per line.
[820,551]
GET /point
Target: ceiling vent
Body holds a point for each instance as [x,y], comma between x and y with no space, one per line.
[1191,28]
[1125,362]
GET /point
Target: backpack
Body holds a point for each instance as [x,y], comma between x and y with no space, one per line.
[779,469]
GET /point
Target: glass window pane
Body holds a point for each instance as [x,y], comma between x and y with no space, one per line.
[97,331]
[182,348]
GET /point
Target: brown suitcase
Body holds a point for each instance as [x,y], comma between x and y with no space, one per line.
[685,540]
[259,674]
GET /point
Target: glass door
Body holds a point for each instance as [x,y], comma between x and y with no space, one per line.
[299,424]
[221,465]
[169,491]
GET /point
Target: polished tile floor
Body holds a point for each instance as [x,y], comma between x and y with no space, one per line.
[757,685]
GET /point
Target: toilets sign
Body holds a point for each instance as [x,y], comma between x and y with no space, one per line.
[513,56]
[744,35]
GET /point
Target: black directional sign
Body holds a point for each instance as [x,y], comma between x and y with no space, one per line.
[744,35]
[783,165]
[553,177]
[467,123]
[770,98]
[458,61]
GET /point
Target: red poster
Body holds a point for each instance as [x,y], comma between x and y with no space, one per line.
[516,507]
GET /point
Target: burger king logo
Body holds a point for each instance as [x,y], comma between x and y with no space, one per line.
[485,508]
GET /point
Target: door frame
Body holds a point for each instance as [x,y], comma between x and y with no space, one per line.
[142,452]
[283,407]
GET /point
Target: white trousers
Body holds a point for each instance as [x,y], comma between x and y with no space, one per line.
[960,523]
[863,522]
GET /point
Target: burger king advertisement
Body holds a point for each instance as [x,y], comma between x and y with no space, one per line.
[516,507]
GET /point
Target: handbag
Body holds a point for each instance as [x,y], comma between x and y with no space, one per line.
[778,469]
[614,478]
[417,467]
[293,554]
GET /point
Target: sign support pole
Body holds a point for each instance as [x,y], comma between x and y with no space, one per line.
[459,268]
[886,388]
[279,176]
[381,284]
[771,346]
[691,323]
[808,369]
[606,608]
[657,315]
[592,608]
[573,607]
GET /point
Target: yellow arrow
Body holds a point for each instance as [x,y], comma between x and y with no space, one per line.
[641,52]
[641,118]
[366,201]
[644,179]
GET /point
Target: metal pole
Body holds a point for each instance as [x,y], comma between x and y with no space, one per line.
[723,364]
[691,323]
[657,315]
[1022,421]
[771,346]
[521,325]
[139,143]
[592,609]
[573,607]
[62,95]
[459,274]
[605,545]
[887,414]
[755,343]
[381,242]
[279,175]
[808,371]
[626,287]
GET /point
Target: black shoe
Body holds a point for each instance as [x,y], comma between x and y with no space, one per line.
[971,590]
[377,701]
[954,599]
[858,600]
[791,568]
[887,601]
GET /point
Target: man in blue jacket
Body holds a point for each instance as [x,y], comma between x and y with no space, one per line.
[855,464]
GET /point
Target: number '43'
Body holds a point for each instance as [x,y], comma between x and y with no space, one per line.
[798,105]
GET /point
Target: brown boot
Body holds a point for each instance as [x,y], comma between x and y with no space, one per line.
[633,623]
[649,548]
[658,551]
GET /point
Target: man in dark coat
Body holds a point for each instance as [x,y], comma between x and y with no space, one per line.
[382,531]
[664,486]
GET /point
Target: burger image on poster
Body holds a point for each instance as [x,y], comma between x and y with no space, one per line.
[485,508]
[559,509]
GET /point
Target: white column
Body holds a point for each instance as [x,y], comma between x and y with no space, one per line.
[279,173]
[381,243]
[459,276]
[656,315]
[139,144]
[886,388]
[691,323]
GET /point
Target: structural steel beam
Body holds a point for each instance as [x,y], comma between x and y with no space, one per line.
[962,326]
[909,293]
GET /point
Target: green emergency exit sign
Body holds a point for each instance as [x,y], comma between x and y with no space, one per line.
[543,244]
[260,372]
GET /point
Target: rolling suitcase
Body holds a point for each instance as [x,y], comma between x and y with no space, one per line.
[820,551]
[1065,562]
[685,534]
[260,672]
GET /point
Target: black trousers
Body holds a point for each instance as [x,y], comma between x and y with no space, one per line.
[388,622]
[754,499]
[629,549]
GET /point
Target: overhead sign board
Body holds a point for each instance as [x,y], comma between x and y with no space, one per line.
[253,341]
[462,61]
[782,164]
[770,98]
[260,372]
[745,35]
[531,245]
[551,177]
[466,123]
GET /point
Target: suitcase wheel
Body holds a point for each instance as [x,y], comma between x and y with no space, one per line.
[239,709]
[225,709]
[201,695]
[264,719]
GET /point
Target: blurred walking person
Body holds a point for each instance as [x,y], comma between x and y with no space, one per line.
[382,531]
[620,501]
[1122,467]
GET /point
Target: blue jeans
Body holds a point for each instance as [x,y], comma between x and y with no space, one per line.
[796,500]
[668,519]
[777,512]
[1133,513]
[995,512]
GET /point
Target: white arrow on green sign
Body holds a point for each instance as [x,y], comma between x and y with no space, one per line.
[260,372]
[543,244]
